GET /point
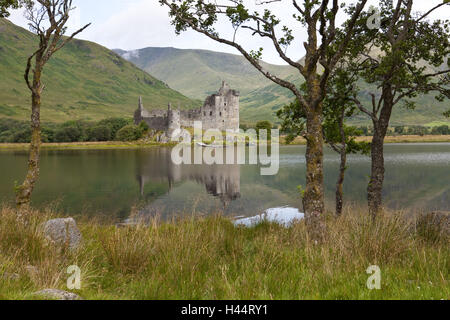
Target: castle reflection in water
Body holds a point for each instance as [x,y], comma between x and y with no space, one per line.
[221,181]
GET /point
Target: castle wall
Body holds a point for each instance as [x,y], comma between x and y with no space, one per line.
[188,117]
[156,119]
[220,111]
[157,123]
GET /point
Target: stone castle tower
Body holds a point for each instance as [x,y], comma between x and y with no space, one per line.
[173,120]
[220,111]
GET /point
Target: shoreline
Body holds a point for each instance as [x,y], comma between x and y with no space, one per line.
[391,139]
[142,145]
[84,145]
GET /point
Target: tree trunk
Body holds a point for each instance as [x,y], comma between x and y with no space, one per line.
[313,200]
[343,165]
[340,183]
[375,189]
[23,193]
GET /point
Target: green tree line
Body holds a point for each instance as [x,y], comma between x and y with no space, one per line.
[111,129]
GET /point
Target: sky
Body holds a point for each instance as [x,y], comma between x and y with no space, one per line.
[136,24]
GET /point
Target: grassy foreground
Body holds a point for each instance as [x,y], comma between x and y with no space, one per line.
[209,258]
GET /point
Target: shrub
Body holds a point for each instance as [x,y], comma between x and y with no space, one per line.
[22,136]
[48,135]
[244,127]
[68,134]
[99,133]
[143,126]
[129,133]
[114,125]
[264,125]
[441,130]
[418,130]
[5,137]
[400,129]
[366,131]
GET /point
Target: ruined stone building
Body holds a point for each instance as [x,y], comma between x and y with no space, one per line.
[220,111]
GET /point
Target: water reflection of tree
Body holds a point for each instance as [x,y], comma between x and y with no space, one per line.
[409,185]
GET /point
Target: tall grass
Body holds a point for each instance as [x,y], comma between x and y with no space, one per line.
[209,258]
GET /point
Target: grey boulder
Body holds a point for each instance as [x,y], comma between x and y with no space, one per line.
[63,232]
[55,294]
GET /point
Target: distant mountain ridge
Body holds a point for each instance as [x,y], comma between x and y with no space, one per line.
[208,68]
[83,81]
[90,82]
[197,73]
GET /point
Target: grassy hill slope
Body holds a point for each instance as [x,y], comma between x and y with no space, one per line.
[262,104]
[180,66]
[197,73]
[83,81]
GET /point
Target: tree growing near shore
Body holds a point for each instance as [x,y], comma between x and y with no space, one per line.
[318,18]
[337,107]
[264,125]
[47,19]
[407,56]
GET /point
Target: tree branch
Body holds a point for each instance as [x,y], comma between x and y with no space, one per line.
[431,11]
[254,62]
[363,109]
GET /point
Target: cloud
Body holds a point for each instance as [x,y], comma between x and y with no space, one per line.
[146,23]
[135,24]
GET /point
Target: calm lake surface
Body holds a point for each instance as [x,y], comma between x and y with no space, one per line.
[112,182]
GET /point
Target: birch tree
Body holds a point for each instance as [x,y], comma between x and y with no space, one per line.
[48,20]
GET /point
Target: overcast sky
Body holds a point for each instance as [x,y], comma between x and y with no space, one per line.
[135,24]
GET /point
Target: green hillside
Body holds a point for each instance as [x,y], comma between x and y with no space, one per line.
[83,81]
[262,104]
[178,67]
[260,98]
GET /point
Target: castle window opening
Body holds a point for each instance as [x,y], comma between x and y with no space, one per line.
[210,113]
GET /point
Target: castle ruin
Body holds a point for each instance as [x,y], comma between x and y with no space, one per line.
[220,111]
